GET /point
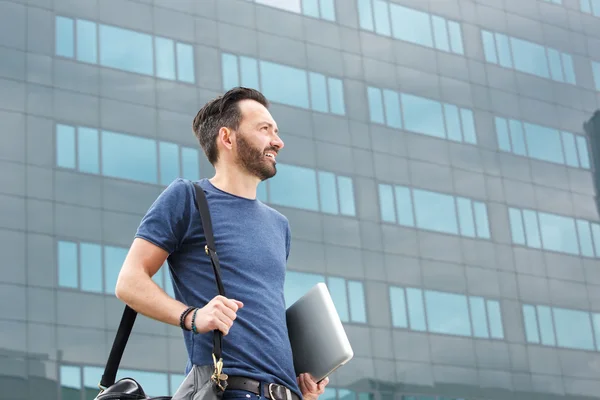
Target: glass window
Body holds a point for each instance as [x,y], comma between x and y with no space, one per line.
[530,57]
[544,143]
[596,7]
[289,5]
[346,191]
[91,267]
[465,217]
[356,293]
[398,305]
[249,72]
[503,48]
[297,284]
[310,8]
[168,280]
[327,10]
[596,322]
[68,270]
[435,211]
[585,6]
[190,163]
[87,146]
[175,380]
[365,15]
[453,123]
[440,33]
[65,37]
[229,64]
[455,37]
[87,41]
[283,84]
[382,17]
[404,206]
[447,313]
[261,192]
[489,47]
[91,377]
[185,63]
[582,148]
[481,220]
[531,324]
[479,317]
[318,92]
[337,288]
[585,238]
[416,310]
[336,96]
[555,65]
[596,70]
[126,49]
[468,122]
[375,105]
[165,58]
[113,261]
[294,186]
[568,141]
[573,329]
[65,146]
[517,137]
[532,229]
[516,226]
[558,233]
[168,154]
[328,193]
[70,382]
[502,134]
[423,116]
[129,157]
[391,100]
[568,68]
[596,235]
[411,25]
[495,319]
[546,325]
[386,204]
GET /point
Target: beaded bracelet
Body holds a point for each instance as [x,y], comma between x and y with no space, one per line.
[183,316]
[194,321]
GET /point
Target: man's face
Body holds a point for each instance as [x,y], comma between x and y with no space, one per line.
[257,140]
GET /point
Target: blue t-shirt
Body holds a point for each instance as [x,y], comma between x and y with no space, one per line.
[253,244]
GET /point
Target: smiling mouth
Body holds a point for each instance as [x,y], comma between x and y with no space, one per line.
[270,155]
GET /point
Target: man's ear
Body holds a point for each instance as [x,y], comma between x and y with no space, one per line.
[226,137]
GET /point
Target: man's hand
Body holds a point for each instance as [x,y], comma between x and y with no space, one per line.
[309,387]
[219,314]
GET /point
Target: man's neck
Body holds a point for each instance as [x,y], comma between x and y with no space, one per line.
[236,182]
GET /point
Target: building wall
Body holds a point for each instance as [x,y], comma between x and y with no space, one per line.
[437,176]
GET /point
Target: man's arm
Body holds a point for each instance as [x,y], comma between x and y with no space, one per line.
[136,288]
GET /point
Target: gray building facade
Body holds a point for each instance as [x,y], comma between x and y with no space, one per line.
[438,175]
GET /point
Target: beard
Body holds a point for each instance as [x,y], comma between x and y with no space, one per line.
[253,160]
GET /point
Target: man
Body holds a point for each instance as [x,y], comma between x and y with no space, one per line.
[240,138]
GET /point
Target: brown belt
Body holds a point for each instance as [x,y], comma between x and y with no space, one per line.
[271,391]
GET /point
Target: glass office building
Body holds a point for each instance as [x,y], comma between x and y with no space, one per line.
[439,176]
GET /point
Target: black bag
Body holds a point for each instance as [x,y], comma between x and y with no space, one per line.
[202,383]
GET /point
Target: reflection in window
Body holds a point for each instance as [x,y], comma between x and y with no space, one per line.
[590,7]
[348,296]
[285,84]
[309,189]
[528,57]
[445,313]
[596,71]
[124,49]
[554,232]
[414,26]
[323,9]
[554,326]
[433,211]
[421,115]
[542,143]
[124,156]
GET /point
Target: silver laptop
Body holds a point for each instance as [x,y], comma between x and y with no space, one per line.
[318,339]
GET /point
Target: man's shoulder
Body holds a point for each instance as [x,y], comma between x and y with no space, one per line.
[276,214]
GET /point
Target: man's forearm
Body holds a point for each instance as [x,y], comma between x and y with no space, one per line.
[140,292]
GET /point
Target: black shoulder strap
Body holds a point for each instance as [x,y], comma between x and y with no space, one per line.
[129,314]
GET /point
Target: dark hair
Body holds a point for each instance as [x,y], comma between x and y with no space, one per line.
[222,111]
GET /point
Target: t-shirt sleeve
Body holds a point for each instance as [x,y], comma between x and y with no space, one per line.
[166,222]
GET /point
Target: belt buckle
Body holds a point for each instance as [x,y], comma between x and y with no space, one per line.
[288,392]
